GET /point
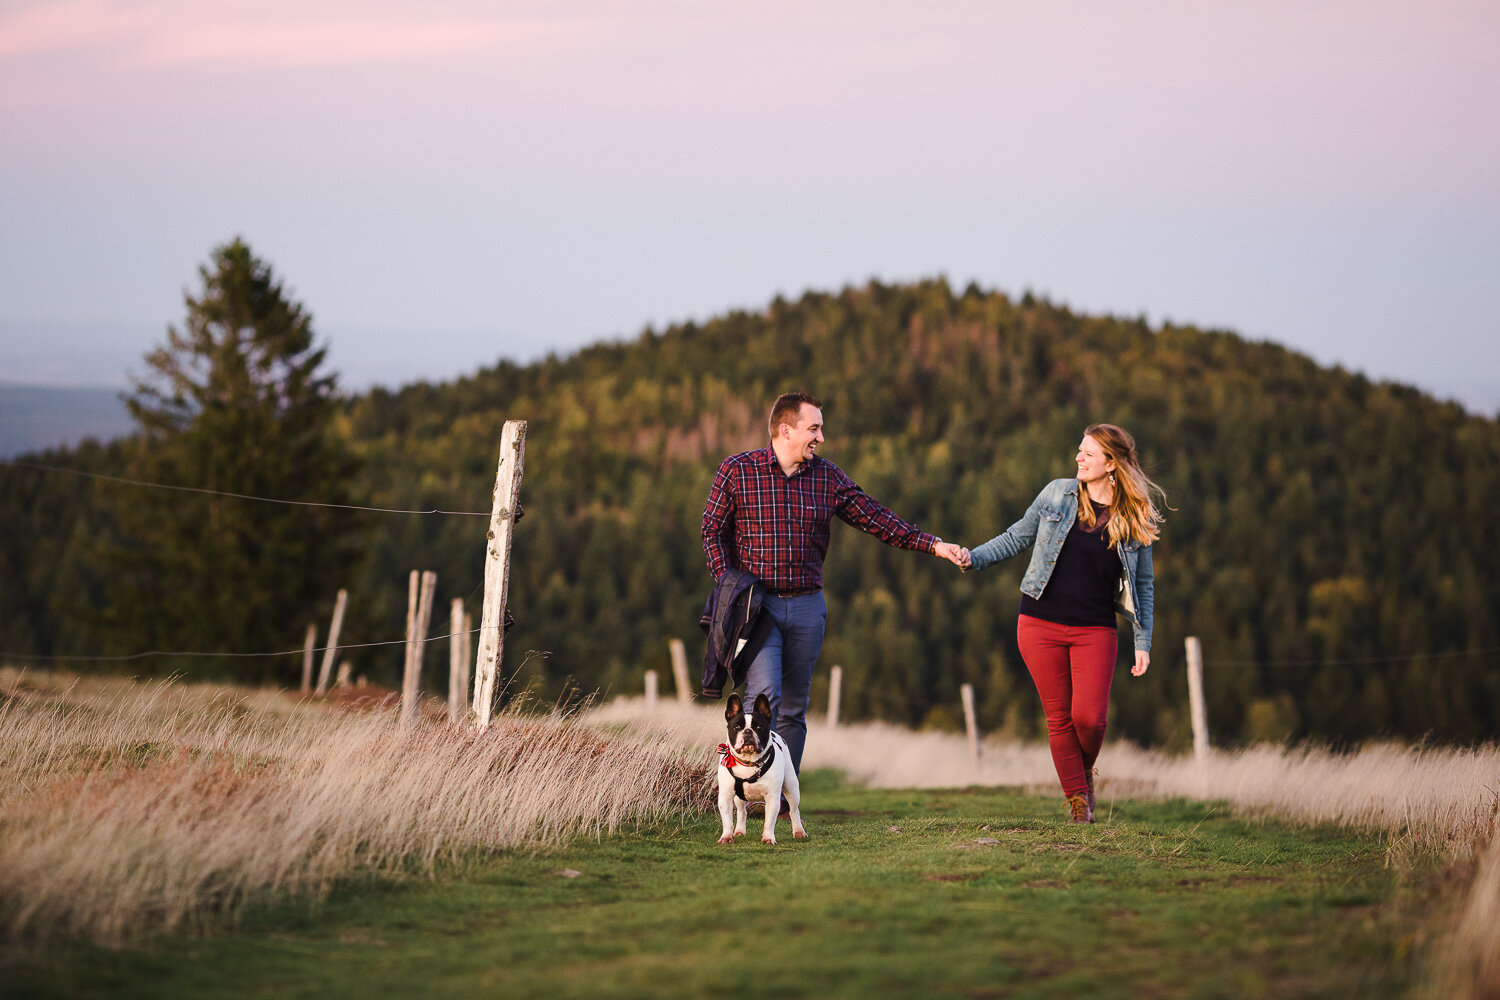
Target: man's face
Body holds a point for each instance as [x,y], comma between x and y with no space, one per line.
[807,435]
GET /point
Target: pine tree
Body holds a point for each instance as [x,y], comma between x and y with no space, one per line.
[237,401]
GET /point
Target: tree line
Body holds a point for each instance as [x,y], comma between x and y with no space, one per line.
[1329,540]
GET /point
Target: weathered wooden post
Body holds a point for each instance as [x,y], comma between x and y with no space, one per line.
[418,616]
[307,658]
[835,682]
[970,723]
[651,690]
[1196,708]
[497,568]
[331,651]
[458,661]
[680,671]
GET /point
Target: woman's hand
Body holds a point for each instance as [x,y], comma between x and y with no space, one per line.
[1142,661]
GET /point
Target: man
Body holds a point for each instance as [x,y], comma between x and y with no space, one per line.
[768,514]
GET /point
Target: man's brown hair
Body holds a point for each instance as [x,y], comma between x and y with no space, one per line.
[788,407]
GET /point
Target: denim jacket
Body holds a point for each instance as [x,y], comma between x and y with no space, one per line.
[1047,523]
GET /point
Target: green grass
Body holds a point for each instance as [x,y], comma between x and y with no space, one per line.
[897,894]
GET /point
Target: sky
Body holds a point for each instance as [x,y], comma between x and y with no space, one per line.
[446,183]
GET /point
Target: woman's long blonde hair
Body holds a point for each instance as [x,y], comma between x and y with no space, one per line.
[1133,512]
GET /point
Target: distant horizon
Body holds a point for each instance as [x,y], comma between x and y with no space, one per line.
[368,358]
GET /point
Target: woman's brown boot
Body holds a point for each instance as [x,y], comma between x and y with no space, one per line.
[1078,806]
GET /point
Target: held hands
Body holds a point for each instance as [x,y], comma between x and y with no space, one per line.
[1142,661]
[956,554]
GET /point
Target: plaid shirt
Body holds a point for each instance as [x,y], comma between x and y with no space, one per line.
[760,520]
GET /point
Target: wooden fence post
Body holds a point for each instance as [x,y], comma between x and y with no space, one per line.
[651,690]
[307,657]
[418,616]
[835,682]
[1196,708]
[970,723]
[497,568]
[458,661]
[331,651]
[680,671]
[408,696]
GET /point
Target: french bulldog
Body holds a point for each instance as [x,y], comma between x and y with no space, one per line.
[755,764]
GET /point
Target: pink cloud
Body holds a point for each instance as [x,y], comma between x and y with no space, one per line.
[270,35]
[46,29]
[319,43]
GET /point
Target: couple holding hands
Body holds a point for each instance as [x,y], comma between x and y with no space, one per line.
[769,514]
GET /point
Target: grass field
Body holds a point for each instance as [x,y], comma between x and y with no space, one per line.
[964,893]
[192,840]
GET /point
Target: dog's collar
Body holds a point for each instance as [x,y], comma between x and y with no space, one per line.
[730,761]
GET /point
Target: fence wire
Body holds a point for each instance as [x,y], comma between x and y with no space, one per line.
[237,496]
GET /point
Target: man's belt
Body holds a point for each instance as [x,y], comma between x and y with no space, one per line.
[803,592]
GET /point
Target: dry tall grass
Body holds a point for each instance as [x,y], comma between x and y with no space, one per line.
[129,808]
[1467,961]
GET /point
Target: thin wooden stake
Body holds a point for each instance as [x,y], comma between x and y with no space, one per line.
[970,723]
[468,654]
[418,616]
[1196,708]
[330,653]
[497,568]
[651,690]
[680,671]
[835,683]
[307,657]
[458,662]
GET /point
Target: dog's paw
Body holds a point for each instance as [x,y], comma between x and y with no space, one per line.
[799,834]
[728,838]
[767,839]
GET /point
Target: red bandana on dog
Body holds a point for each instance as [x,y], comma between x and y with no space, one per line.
[729,759]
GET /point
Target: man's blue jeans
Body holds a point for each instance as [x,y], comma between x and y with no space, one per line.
[783,668]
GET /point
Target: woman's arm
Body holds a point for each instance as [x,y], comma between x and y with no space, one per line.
[1010,541]
[1145,605]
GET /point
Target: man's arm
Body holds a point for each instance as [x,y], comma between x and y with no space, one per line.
[858,508]
[718,522]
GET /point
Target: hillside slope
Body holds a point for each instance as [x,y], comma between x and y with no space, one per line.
[1329,539]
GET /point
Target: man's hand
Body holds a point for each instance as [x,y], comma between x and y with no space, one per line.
[956,554]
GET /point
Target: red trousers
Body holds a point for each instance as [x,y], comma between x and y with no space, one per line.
[1072,667]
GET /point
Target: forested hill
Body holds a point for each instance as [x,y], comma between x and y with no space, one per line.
[1331,539]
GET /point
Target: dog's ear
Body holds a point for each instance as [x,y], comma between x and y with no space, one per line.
[762,705]
[734,708]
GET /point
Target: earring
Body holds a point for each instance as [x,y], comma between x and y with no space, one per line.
[1111,480]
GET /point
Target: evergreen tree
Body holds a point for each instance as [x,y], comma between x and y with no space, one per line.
[237,401]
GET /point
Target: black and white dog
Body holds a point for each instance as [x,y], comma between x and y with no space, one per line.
[755,764]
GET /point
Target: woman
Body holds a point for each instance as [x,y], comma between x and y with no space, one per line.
[1092,557]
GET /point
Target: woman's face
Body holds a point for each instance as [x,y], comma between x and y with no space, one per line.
[1092,465]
